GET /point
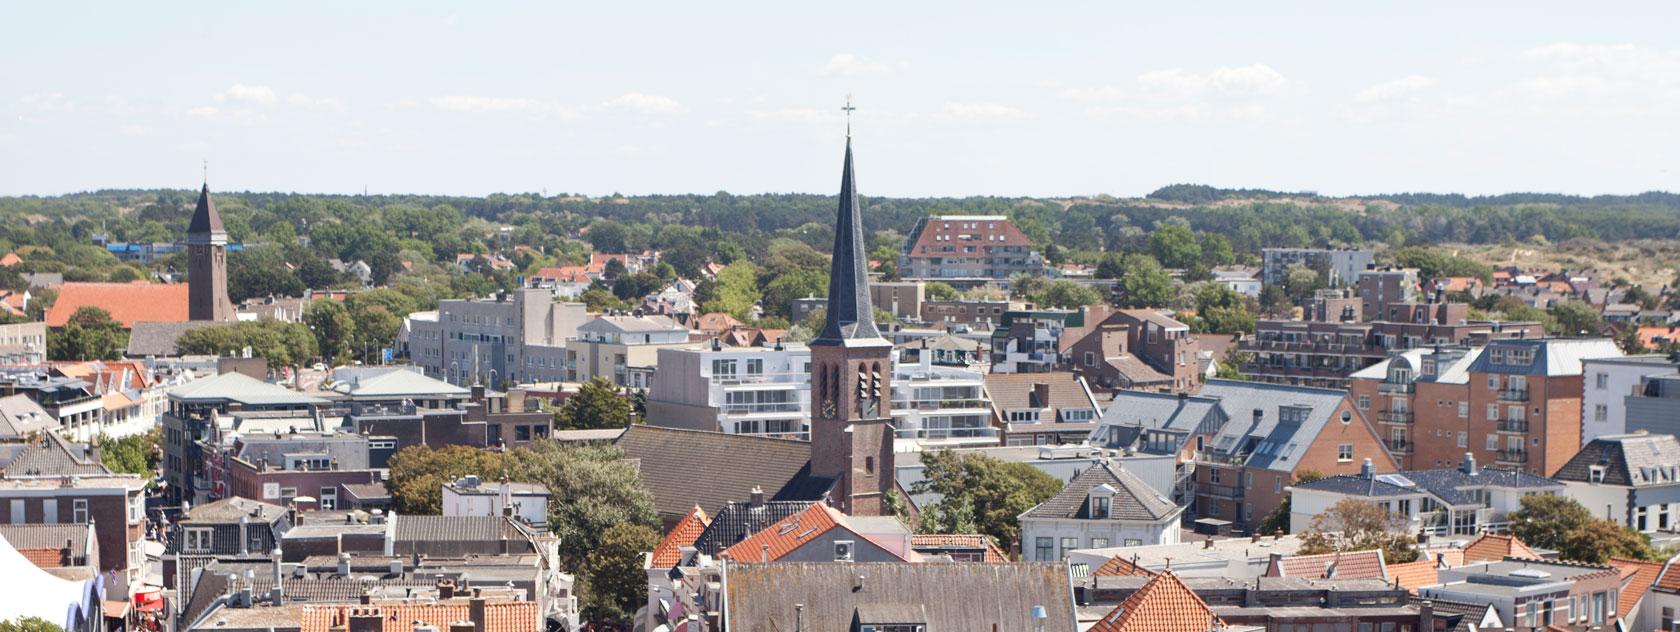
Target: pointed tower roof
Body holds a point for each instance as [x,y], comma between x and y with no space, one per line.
[850,316]
[1164,604]
[205,219]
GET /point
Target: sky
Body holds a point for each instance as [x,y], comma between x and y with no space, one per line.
[953,98]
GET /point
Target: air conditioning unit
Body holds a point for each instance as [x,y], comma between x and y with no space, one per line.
[843,551]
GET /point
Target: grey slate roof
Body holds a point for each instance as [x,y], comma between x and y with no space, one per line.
[967,597]
[735,521]
[1134,500]
[1447,484]
[157,339]
[47,536]
[230,510]
[396,384]
[1635,460]
[47,455]
[682,468]
[1241,399]
[849,315]
[1552,356]
[1166,411]
[453,528]
[1460,615]
[241,388]
[21,416]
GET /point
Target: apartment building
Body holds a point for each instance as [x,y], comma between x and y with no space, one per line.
[1379,288]
[23,343]
[1030,341]
[968,250]
[46,480]
[1132,349]
[1515,404]
[1342,265]
[1324,352]
[738,390]
[1610,386]
[192,416]
[941,406]
[1049,408]
[979,314]
[488,341]
[623,349]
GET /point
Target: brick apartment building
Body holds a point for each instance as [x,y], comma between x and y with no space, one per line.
[1511,403]
[1324,351]
[968,250]
[1132,348]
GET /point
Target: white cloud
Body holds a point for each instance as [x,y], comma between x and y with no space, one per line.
[50,102]
[1224,82]
[645,103]
[1393,90]
[1615,72]
[849,64]
[798,115]
[259,95]
[315,103]
[134,130]
[470,103]
[203,112]
[981,111]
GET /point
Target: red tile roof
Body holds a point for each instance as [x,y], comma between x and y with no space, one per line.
[716,322]
[128,303]
[11,259]
[1414,575]
[669,551]
[563,274]
[959,540]
[957,233]
[1641,576]
[499,616]
[1119,566]
[1491,547]
[1164,604]
[43,557]
[787,535]
[1349,565]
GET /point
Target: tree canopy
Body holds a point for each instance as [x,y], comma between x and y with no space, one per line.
[981,492]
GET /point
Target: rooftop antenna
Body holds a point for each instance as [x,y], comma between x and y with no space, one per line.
[848,110]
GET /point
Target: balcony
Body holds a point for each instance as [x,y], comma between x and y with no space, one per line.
[1513,425]
[1399,446]
[948,433]
[1513,456]
[753,409]
[1219,491]
[1395,416]
[1513,394]
[934,404]
[1396,387]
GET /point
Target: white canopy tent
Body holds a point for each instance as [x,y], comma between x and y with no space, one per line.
[32,592]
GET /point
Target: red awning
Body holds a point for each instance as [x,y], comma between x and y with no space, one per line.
[147,601]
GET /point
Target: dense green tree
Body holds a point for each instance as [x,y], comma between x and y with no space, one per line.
[1216,250]
[333,327]
[598,404]
[1353,524]
[378,316]
[1433,263]
[735,292]
[634,287]
[1144,283]
[29,624]
[940,291]
[133,454]
[89,334]
[598,299]
[995,492]
[282,344]
[418,474]
[1065,294]
[781,291]
[1574,318]
[618,583]
[1599,541]
[1546,521]
[1175,246]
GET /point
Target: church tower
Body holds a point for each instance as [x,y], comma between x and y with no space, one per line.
[851,374]
[207,296]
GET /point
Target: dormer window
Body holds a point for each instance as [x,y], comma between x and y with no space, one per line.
[1102,502]
[1595,473]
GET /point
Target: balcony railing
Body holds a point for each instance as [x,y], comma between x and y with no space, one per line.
[1513,425]
[1396,387]
[1219,491]
[1513,394]
[1399,446]
[947,433]
[773,407]
[1395,416]
[931,404]
[1513,456]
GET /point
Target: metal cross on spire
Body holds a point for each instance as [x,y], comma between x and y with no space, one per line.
[207,171]
[848,110]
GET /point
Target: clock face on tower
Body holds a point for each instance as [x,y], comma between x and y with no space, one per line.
[828,409]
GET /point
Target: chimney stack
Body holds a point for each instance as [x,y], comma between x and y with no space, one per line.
[277,596]
[757,498]
[343,564]
[1366,470]
[1469,466]
[475,611]
[1041,394]
[461,626]
[64,557]
[366,620]
[445,589]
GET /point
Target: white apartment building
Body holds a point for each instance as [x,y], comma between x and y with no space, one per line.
[941,406]
[1606,385]
[623,349]
[738,390]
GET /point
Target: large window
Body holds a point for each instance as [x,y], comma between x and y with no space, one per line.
[1046,549]
[79,511]
[1068,545]
[197,540]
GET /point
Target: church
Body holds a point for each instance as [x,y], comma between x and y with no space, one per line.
[848,463]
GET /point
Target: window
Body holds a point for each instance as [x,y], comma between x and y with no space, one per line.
[136,508]
[1344,452]
[1090,359]
[197,540]
[79,511]
[1601,381]
[1046,548]
[1463,439]
[1099,543]
[1493,412]
[17,516]
[1667,619]
[255,541]
[1078,415]
[1492,443]
[1493,380]
[49,511]
[1213,475]
[723,368]
[1601,412]
[329,498]
[1598,601]
[1248,480]
[1277,484]
[1068,545]
[1364,402]
[1464,410]
[1100,506]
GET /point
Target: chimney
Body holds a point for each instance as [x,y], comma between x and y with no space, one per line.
[366,620]
[343,564]
[475,611]
[1041,394]
[1426,616]
[1366,471]
[764,553]
[367,597]
[478,392]
[396,567]
[461,626]
[64,558]
[445,589]
[277,595]
[757,498]
[1255,537]
[1469,466]
[1207,543]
